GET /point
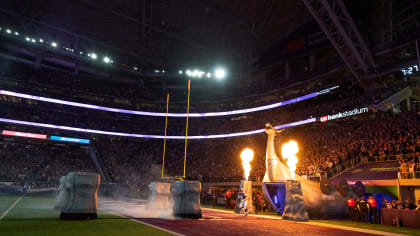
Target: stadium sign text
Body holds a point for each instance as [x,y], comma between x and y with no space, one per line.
[339,115]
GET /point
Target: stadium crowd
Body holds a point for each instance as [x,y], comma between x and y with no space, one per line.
[39,162]
[326,148]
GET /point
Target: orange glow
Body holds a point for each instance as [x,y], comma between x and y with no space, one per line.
[289,150]
[246,156]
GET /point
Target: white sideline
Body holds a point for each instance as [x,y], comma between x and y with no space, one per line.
[141,222]
[361,230]
[10,208]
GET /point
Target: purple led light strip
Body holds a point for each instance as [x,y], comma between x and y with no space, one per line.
[146,113]
[93,131]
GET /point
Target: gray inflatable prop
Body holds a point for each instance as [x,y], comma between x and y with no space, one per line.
[159,196]
[61,195]
[294,205]
[247,188]
[187,199]
[81,189]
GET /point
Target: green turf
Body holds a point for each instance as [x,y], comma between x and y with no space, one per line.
[6,202]
[35,216]
[385,228]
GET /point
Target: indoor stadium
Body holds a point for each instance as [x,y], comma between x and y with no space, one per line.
[209,117]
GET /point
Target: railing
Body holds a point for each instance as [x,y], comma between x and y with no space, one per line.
[362,160]
[387,158]
[331,172]
[409,175]
[352,163]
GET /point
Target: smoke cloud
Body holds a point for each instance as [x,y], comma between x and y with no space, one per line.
[134,208]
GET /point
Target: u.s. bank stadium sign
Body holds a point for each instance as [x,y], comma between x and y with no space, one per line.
[339,115]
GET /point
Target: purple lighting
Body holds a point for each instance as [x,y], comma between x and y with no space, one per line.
[93,131]
[146,113]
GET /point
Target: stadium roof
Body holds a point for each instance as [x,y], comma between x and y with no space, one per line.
[165,32]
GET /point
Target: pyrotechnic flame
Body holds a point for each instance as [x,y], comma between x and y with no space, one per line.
[246,156]
[289,150]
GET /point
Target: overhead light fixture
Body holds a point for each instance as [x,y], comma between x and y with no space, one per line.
[54,44]
[16,33]
[41,40]
[208,75]
[93,56]
[107,60]
[220,73]
[33,40]
[28,39]
[135,68]
[8,31]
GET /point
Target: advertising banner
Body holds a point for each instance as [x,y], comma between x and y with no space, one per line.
[23,134]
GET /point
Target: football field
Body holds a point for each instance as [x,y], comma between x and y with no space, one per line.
[34,215]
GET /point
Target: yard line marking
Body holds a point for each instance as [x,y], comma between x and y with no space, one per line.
[214,217]
[10,208]
[141,222]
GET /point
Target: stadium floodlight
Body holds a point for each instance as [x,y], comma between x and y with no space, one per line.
[208,75]
[107,60]
[180,72]
[28,39]
[16,33]
[41,40]
[195,73]
[220,73]
[54,44]
[8,31]
[93,56]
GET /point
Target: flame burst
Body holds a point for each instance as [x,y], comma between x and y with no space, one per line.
[246,156]
[289,150]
